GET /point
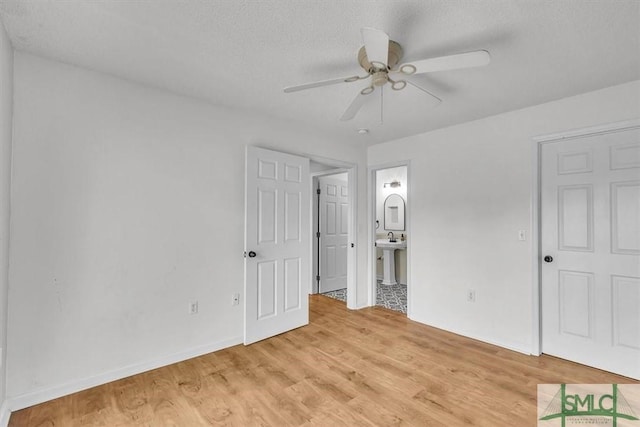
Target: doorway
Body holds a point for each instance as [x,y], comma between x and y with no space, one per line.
[589,247]
[278,244]
[390,237]
[331,237]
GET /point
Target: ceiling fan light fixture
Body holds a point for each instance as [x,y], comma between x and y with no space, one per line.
[378,66]
[367,90]
[398,85]
[408,69]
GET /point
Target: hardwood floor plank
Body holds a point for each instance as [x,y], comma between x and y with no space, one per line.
[371,367]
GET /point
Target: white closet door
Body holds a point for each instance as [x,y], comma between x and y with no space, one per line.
[590,211]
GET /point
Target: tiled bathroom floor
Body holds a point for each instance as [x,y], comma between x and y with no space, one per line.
[340,294]
[393,297]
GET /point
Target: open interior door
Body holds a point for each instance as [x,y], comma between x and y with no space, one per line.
[277,245]
[334,233]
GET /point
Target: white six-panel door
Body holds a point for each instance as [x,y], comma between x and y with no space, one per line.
[277,243]
[590,230]
[334,233]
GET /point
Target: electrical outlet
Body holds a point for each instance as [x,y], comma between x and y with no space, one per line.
[193,307]
[522,235]
[471,295]
[236,299]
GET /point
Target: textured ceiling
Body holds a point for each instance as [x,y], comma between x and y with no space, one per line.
[242,53]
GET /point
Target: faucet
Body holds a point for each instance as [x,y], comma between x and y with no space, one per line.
[390,236]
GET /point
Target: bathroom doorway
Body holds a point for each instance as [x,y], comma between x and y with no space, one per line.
[331,226]
[390,237]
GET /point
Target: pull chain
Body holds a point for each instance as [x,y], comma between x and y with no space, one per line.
[381,105]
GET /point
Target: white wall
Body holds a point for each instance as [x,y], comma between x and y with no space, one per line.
[470,194]
[6,108]
[319,167]
[128,204]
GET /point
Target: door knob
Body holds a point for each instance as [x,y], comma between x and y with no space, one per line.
[548,259]
[252,254]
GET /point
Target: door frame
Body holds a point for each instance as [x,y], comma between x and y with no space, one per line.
[352,253]
[536,206]
[314,217]
[351,169]
[371,262]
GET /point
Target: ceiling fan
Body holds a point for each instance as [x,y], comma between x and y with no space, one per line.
[380,56]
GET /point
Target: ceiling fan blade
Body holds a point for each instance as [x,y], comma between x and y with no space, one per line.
[321,83]
[451,62]
[355,106]
[376,44]
[434,100]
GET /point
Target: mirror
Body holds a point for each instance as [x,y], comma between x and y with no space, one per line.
[394,213]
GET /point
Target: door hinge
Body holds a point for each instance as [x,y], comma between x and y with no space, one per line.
[318,191]
[245,254]
[317,234]
[317,278]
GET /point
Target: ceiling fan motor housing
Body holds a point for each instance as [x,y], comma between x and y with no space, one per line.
[395,53]
[379,78]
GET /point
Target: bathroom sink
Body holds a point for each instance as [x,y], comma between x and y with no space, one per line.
[388,259]
[386,244]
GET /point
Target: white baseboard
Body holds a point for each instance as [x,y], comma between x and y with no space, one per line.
[5,413]
[519,348]
[48,393]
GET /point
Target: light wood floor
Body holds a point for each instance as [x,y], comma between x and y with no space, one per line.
[354,368]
